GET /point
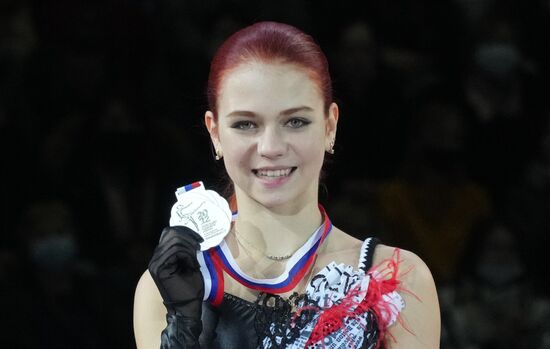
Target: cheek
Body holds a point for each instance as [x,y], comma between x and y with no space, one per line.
[231,144]
[312,149]
[236,155]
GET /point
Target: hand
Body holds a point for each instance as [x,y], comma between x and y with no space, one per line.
[176,271]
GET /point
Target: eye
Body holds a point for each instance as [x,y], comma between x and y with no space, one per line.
[243,125]
[297,122]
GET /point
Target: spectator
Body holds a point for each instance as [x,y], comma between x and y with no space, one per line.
[528,206]
[433,205]
[60,283]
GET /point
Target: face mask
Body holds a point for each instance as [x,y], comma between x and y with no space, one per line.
[474,10]
[54,253]
[498,60]
[501,273]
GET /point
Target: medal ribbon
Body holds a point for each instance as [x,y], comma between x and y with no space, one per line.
[219,259]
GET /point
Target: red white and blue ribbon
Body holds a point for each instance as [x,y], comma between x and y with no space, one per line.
[219,259]
[189,187]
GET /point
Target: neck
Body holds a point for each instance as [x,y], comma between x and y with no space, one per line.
[276,231]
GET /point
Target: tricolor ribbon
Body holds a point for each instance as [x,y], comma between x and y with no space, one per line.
[189,187]
[219,259]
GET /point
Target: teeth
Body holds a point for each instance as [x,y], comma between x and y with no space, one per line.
[274,173]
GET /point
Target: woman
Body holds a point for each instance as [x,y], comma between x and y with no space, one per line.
[272,282]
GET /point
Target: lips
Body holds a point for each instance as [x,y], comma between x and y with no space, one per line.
[273,173]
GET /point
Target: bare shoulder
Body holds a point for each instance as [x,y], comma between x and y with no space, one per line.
[339,240]
[415,271]
[149,313]
[420,325]
[340,247]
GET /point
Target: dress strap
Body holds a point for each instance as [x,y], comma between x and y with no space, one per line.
[367,253]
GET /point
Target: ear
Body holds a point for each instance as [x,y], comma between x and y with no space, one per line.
[212,127]
[331,123]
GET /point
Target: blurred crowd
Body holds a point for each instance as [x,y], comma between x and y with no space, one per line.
[443,149]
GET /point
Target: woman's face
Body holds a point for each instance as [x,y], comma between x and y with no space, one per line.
[273,131]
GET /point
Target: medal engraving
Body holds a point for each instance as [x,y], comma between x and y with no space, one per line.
[205,212]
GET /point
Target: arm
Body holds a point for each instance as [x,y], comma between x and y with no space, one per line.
[149,313]
[174,278]
[420,325]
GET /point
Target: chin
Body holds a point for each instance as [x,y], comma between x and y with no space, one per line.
[280,200]
[272,202]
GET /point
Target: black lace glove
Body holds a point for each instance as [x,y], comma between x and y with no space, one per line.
[176,272]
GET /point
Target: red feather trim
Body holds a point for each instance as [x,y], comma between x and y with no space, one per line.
[383,281]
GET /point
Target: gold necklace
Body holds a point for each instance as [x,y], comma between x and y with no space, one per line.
[247,244]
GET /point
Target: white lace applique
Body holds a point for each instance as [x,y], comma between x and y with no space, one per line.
[328,288]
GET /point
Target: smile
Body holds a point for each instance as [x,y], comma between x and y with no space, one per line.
[275,173]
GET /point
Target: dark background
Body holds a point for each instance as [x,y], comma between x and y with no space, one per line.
[443,148]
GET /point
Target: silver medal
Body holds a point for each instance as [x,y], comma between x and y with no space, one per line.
[205,212]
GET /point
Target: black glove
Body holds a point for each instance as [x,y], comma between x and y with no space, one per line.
[181,332]
[176,272]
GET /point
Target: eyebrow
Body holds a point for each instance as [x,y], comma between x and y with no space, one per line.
[285,112]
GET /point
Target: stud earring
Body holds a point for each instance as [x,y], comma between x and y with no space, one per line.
[331,147]
[219,153]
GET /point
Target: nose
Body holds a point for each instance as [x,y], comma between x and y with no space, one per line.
[271,144]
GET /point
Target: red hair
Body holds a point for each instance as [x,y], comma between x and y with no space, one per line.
[269,42]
